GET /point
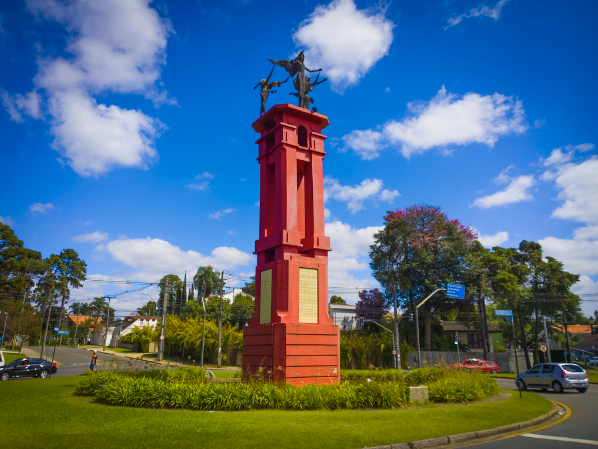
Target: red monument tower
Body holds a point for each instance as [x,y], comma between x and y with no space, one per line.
[291,337]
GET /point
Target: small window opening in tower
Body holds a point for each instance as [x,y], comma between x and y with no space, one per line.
[302,136]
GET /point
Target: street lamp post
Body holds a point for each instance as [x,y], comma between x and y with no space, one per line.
[162,324]
[419,361]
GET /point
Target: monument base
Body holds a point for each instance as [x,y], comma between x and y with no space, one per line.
[298,354]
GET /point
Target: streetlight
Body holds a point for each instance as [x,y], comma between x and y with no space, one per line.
[162,325]
[419,361]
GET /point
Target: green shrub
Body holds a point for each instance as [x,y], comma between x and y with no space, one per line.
[188,389]
[462,387]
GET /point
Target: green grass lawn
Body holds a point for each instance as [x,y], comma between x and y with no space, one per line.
[8,357]
[225,374]
[64,420]
[119,349]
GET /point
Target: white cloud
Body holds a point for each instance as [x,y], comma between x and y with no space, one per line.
[578,185]
[490,241]
[201,182]
[586,233]
[220,213]
[445,120]
[354,196]
[366,143]
[94,237]
[480,11]
[6,220]
[231,232]
[156,257]
[350,252]
[115,47]
[578,256]
[344,41]
[515,192]
[41,208]
[18,105]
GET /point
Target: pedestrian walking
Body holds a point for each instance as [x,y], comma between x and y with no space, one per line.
[94,360]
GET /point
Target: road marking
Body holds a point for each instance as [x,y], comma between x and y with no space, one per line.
[570,440]
[567,415]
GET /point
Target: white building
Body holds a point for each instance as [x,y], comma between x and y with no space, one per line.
[117,329]
[343,315]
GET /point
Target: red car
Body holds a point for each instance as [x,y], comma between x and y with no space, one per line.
[483,366]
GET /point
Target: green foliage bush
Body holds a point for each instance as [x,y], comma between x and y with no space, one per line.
[360,350]
[188,389]
[462,387]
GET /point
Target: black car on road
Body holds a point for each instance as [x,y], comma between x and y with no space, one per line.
[27,368]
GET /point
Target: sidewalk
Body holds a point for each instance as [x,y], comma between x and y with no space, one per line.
[140,356]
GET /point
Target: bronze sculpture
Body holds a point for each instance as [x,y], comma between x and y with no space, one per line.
[265,90]
[296,69]
[305,99]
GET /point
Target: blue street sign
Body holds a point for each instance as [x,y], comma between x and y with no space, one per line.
[56,329]
[455,291]
[62,332]
[510,318]
[503,313]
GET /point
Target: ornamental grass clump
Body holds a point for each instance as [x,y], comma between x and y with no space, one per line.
[462,387]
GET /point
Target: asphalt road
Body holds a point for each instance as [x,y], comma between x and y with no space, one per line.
[578,431]
[76,361]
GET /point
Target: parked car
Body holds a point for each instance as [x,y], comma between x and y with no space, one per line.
[558,376]
[484,366]
[27,368]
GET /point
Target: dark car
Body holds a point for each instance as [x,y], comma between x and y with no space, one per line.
[27,368]
[558,376]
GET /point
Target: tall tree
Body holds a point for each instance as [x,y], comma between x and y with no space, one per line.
[19,266]
[242,310]
[418,251]
[174,287]
[69,272]
[149,309]
[250,287]
[206,281]
[371,305]
[337,300]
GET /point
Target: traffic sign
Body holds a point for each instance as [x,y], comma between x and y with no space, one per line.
[455,291]
[62,332]
[161,337]
[543,348]
[503,313]
[394,352]
[56,329]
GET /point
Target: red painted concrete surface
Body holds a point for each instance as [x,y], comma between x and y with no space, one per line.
[291,236]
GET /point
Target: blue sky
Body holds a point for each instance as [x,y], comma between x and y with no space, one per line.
[127,128]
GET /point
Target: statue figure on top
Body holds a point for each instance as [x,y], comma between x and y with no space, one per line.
[267,88]
[296,69]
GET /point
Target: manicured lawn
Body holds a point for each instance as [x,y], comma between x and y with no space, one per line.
[225,374]
[8,357]
[119,350]
[64,420]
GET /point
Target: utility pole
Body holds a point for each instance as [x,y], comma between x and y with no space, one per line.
[163,325]
[396,340]
[220,321]
[76,323]
[546,340]
[107,322]
[568,358]
[50,294]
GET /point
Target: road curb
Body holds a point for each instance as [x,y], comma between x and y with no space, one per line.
[480,435]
